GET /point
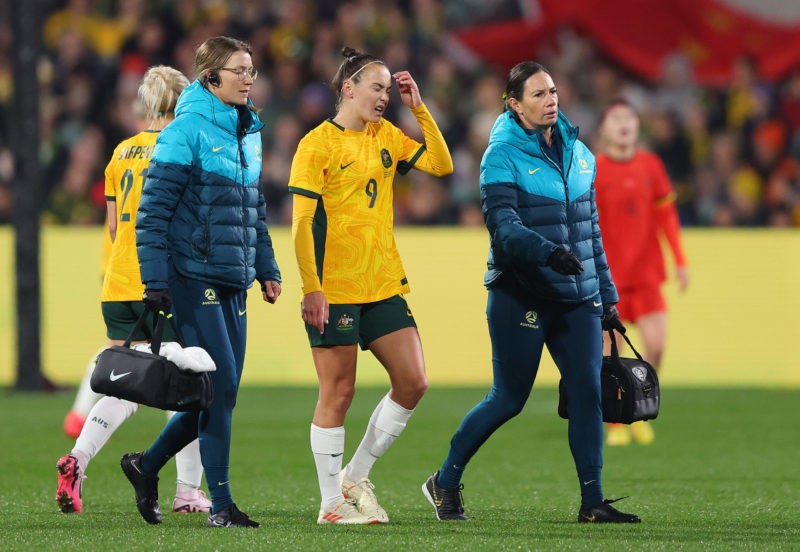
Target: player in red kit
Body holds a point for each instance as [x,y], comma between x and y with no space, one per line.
[636,206]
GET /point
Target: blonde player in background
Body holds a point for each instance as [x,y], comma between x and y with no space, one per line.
[353,279]
[121,300]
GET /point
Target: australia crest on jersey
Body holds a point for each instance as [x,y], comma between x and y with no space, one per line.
[386,158]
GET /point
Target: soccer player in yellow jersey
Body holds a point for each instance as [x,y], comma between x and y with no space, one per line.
[121,298]
[352,276]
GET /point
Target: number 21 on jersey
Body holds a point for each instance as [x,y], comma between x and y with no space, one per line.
[126,185]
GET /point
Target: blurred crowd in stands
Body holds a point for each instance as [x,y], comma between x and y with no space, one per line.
[732,152]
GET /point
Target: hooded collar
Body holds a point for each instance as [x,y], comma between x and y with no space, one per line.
[195,98]
[507,129]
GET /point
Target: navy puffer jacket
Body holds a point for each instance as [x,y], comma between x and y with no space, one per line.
[202,204]
[532,206]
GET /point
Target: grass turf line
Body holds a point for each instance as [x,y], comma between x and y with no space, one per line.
[722,475]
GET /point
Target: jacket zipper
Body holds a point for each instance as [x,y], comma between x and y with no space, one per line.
[564,178]
[566,186]
[560,171]
[243,195]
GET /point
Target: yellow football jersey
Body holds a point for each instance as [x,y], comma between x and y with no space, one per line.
[105,254]
[350,253]
[125,175]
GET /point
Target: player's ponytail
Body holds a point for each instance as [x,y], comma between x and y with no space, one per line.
[351,69]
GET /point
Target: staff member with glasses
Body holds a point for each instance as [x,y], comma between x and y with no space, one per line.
[202,240]
[242,73]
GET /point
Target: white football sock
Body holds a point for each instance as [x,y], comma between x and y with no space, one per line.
[327,444]
[85,398]
[188,465]
[387,422]
[102,421]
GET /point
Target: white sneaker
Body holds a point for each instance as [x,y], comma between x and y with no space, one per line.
[362,492]
[345,514]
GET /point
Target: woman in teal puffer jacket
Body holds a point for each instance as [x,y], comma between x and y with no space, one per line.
[549,284]
[202,240]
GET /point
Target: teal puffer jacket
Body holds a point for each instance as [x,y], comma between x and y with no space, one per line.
[532,206]
[202,204]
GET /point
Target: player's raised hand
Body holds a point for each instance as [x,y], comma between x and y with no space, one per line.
[409,91]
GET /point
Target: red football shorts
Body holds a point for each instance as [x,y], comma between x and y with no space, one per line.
[635,302]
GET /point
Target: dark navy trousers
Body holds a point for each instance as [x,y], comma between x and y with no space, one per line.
[520,325]
[214,318]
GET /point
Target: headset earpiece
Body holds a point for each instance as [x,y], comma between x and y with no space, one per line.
[213,79]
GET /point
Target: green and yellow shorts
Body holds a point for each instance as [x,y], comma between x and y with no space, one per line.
[362,323]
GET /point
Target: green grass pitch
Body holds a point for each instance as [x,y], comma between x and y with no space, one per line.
[722,475]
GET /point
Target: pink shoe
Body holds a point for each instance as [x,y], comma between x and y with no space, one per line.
[70,483]
[73,424]
[191,502]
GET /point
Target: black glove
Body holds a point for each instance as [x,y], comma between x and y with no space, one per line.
[610,319]
[156,300]
[564,262]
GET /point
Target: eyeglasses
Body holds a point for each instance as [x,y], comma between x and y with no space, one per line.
[242,73]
